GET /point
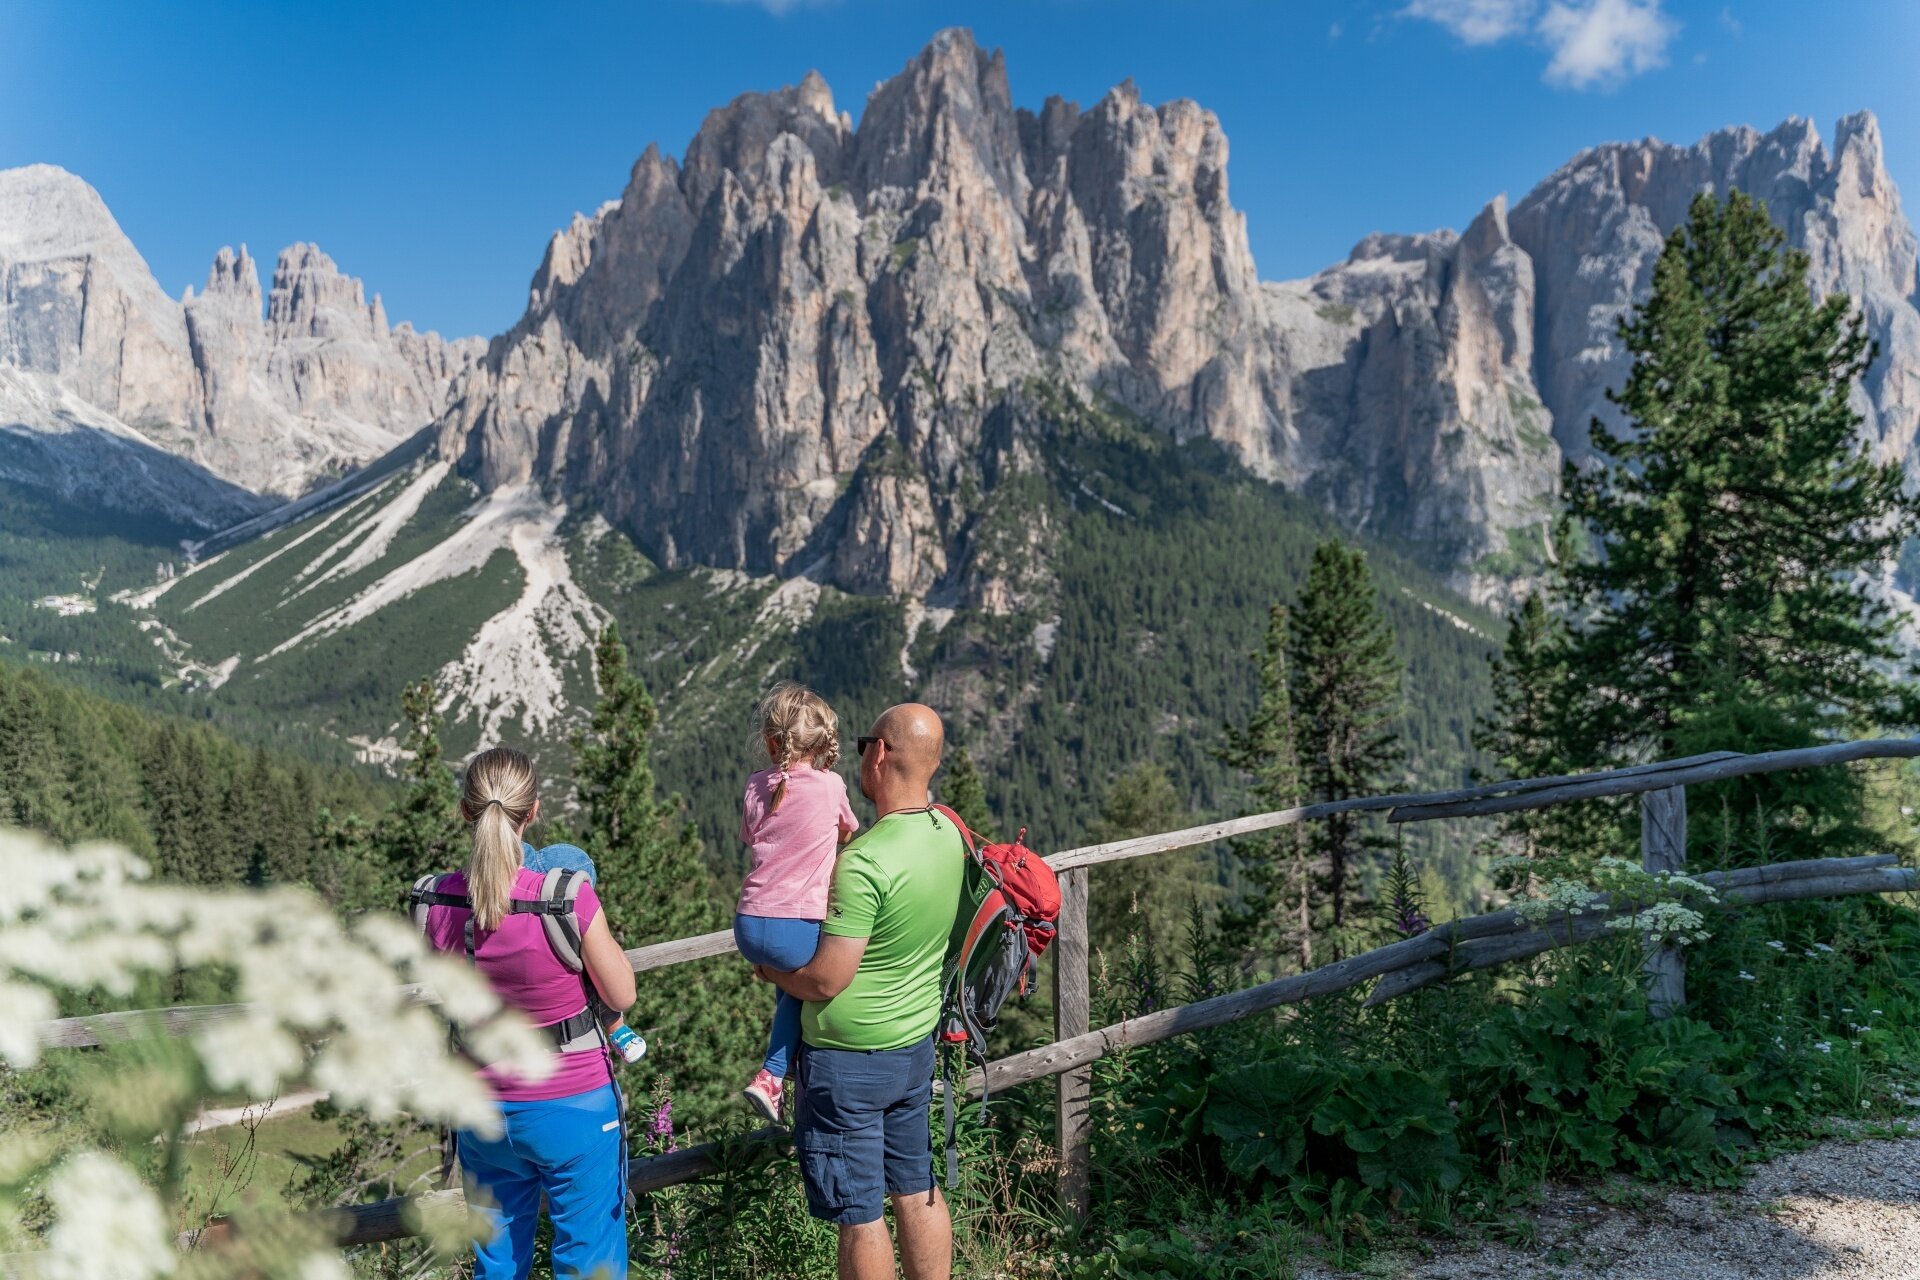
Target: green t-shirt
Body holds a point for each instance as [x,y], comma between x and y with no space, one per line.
[898,886]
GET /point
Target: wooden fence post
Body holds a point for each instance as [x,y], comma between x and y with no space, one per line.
[1072,1016]
[1663,847]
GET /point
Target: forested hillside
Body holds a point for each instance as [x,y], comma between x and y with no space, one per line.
[201,806]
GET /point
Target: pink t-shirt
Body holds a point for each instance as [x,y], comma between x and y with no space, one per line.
[518,963]
[794,846]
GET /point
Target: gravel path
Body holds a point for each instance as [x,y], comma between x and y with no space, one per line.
[1841,1209]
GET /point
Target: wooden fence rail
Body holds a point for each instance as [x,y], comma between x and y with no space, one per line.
[1474,942]
[1460,946]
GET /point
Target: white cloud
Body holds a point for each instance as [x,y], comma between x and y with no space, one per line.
[778,8]
[1591,43]
[1602,42]
[1475,21]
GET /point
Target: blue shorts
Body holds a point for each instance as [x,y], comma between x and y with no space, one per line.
[860,1126]
[567,857]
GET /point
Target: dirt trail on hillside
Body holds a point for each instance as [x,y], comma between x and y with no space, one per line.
[1839,1210]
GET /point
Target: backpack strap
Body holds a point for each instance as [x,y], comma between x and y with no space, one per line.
[952,1012]
[425,894]
[971,841]
[558,909]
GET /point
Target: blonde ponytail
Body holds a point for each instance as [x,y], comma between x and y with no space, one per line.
[498,799]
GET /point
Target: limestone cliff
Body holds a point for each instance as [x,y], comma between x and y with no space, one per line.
[205,410]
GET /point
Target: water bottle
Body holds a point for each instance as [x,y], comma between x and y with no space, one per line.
[628,1043]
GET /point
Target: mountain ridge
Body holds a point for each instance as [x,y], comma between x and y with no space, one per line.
[810,346]
[238,399]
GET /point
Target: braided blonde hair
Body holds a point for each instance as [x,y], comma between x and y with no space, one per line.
[799,725]
[498,798]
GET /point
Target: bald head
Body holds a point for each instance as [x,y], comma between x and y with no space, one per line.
[897,775]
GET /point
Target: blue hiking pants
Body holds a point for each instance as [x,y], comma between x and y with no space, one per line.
[785,945]
[569,1148]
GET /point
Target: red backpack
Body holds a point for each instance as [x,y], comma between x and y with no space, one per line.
[1009,903]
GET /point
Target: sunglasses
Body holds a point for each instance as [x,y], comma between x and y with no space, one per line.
[861,744]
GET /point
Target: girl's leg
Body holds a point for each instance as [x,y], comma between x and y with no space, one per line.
[783,1038]
[785,945]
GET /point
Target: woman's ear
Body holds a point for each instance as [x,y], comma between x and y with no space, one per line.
[533,816]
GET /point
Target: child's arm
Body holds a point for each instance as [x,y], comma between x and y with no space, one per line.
[849,824]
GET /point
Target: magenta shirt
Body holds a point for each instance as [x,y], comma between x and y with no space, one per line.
[793,847]
[518,963]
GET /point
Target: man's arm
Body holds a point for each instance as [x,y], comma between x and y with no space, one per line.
[823,977]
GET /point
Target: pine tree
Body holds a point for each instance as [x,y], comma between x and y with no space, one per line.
[1523,735]
[962,790]
[1266,750]
[1739,518]
[1147,896]
[183,804]
[655,886]
[654,881]
[423,830]
[1346,699]
[35,789]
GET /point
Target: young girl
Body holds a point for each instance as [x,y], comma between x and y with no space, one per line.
[795,817]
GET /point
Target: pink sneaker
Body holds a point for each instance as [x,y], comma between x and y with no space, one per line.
[764,1094]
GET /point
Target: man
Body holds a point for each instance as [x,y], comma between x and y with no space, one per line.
[872,994]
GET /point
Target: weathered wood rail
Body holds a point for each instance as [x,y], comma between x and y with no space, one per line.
[1459,946]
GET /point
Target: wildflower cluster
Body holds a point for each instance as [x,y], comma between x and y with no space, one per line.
[1660,905]
[322,1005]
[1556,897]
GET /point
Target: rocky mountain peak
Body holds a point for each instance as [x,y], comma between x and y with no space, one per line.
[735,138]
[810,347]
[234,276]
[1595,227]
[951,108]
[312,297]
[199,409]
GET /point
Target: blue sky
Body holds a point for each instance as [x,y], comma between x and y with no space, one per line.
[433,148]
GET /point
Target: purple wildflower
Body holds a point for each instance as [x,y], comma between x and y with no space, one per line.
[660,1123]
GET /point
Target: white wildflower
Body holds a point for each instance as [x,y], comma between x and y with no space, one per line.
[1669,921]
[1569,896]
[1776,944]
[253,1053]
[1747,977]
[21,1007]
[324,1266]
[1823,1046]
[107,1224]
[1811,954]
[515,1044]
[1874,1012]
[463,993]
[392,938]
[1823,947]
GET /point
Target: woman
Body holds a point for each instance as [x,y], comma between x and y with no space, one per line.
[563,1133]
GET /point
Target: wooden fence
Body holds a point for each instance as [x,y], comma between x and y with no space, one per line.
[1456,947]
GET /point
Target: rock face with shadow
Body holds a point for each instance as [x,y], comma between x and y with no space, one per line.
[807,347]
[199,411]
[1595,228]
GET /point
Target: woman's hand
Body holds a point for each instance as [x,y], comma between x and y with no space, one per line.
[607,964]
